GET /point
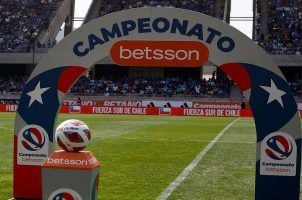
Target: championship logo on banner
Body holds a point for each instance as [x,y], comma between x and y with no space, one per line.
[32,146]
[278,155]
[65,193]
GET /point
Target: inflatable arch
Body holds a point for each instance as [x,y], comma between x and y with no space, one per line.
[195,38]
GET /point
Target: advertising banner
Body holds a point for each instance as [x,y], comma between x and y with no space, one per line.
[162,111]
[8,107]
[208,110]
[103,103]
[216,105]
[167,104]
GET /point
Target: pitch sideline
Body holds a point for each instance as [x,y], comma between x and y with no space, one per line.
[173,185]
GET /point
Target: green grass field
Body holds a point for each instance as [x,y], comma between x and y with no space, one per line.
[141,155]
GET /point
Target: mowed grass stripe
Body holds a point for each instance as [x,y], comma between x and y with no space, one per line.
[141,169]
[176,140]
[228,169]
[168,191]
[6,154]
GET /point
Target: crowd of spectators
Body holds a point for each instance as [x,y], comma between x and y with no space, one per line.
[11,84]
[203,6]
[166,87]
[22,21]
[284,23]
[296,87]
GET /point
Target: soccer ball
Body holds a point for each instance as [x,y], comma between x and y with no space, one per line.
[73,135]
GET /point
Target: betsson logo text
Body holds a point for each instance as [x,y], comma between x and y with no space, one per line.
[159,53]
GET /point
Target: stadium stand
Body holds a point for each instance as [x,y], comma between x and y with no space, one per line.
[203,6]
[167,87]
[280,30]
[277,29]
[125,86]
[22,22]
[13,83]
[11,86]
[214,8]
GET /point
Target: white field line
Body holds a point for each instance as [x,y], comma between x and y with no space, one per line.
[168,191]
[1,126]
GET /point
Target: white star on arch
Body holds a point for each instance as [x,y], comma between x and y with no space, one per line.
[35,95]
[274,93]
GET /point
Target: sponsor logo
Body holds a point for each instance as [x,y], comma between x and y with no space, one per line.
[159,53]
[32,145]
[216,105]
[103,103]
[64,194]
[70,129]
[75,103]
[278,155]
[279,147]
[33,139]
[121,103]
[71,162]
[158,25]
